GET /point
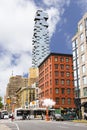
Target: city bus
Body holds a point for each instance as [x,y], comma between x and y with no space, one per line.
[21,113]
[39,112]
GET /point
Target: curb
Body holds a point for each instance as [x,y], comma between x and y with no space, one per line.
[80,121]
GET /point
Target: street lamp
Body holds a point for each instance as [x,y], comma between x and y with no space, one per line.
[48,103]
[26,102]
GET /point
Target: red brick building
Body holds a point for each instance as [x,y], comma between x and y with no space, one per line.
[56,80]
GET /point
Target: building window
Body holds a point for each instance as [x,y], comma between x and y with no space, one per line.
[67,74]
[62,81]
[82,47]
[56,66]
[50,59]
[83,58]
[56,58]
[62,74]
[50,82]
[62,66]
[75,43]
[57,101]
[83,69]
[50,67]
[78,82]
[50,74]
[62,90]
[63,100]
[67,67]
[56,81]
[68,90]
[56,73]
[81,37]
[75,73]
[61,59]
[80,27]
[67,59]
[50,90]
[75,83]
[69,101]
[86,23]
[74,63]
[56,90]
[85,91]
[84,80]
[68,82]
[77,61]
[74,54]
[86,33]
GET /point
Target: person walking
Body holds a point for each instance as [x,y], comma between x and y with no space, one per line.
[12,117]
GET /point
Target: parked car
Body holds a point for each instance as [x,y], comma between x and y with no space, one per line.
[6,116]
[58,117]
[70,116]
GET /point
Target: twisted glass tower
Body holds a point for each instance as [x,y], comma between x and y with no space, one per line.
[40,39]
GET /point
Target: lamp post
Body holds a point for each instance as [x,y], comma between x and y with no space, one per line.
[48,103]
[26,103]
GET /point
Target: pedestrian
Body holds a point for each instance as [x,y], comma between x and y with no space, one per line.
[12,117]
[42,116]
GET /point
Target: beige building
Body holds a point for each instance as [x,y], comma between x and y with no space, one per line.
[33,76]
[15,82]
[21,91]
[79,47]
[25,95]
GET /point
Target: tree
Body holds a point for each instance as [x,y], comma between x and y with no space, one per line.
[1,104]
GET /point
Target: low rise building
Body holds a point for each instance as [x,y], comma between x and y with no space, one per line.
[56,80]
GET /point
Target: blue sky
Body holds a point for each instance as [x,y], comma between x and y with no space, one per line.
[66,28]
[16,31]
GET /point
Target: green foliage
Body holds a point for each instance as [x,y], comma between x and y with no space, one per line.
[1,104]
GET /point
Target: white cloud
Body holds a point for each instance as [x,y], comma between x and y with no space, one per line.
[55,9]
[16,25]
[16,31]
[54,18]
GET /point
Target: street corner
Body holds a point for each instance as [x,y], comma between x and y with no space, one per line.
[4,127]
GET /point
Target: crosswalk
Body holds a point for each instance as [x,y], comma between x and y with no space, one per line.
[10,124]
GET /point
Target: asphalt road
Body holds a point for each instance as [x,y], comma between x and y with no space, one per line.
[50,125]
[43,125]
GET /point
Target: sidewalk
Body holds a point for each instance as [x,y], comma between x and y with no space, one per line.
[80,121]
[4,127]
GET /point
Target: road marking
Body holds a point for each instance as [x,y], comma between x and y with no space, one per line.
[17,126]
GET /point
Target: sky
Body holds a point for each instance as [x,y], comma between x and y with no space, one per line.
[16,31]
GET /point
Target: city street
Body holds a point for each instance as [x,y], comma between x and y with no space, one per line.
[43,125]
